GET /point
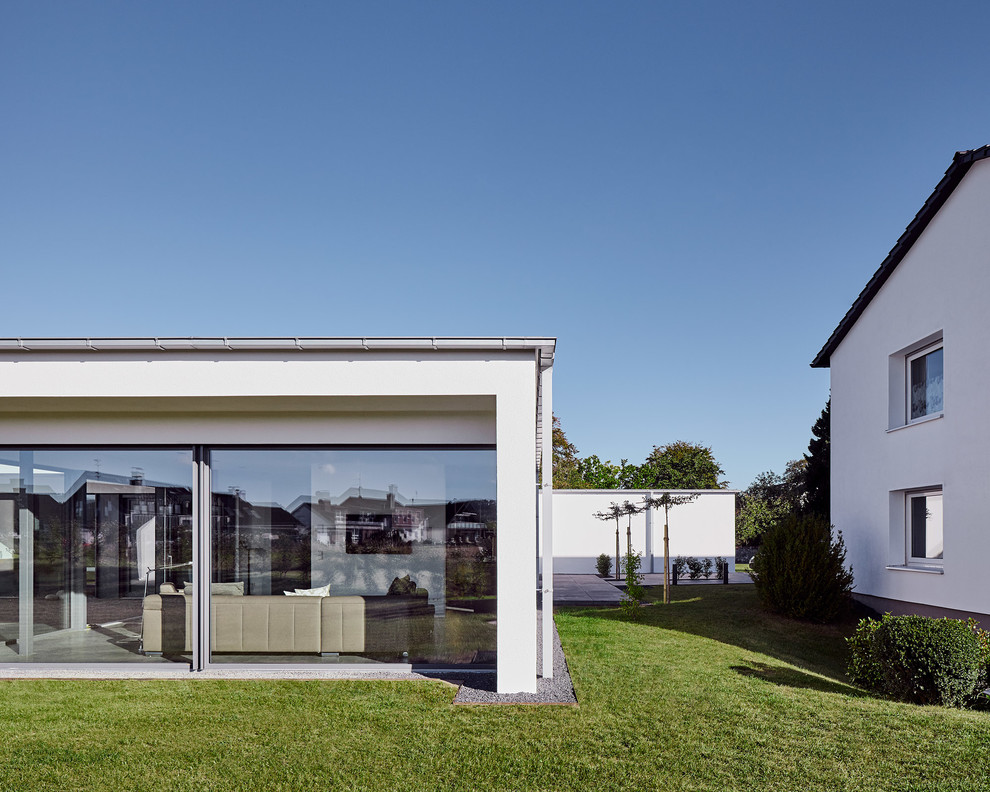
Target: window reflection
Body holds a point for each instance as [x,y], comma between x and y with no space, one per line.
[926,384]
[405,540]
[85,537]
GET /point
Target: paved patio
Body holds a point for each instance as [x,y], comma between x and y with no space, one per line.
[591,590]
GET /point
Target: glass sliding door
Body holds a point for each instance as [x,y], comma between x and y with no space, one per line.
[353,556]
[95,545]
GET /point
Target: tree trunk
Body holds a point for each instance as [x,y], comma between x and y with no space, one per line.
[666,562]
[617,567]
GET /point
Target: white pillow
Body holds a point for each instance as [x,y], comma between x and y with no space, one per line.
[322,591]
[227,589]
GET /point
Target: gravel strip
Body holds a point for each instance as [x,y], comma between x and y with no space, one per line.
[480,688]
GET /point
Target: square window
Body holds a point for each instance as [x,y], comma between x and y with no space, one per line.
[924,383]
[924,527]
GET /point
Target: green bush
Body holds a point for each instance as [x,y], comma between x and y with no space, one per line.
[720,565]
[604,565]
[799,570]
[700,567]
[696,568]
[865,668]
[920,660]
[634,592]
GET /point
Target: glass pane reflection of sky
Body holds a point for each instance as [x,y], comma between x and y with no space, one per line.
[278,475]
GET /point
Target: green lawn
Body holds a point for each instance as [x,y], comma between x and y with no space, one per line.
[707,693]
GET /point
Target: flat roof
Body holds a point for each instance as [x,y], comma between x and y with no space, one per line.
[542,346]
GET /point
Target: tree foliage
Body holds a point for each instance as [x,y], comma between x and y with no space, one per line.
[767,501]
[677,465]
[817,473]
[756,516]
[595,474]
[565,460]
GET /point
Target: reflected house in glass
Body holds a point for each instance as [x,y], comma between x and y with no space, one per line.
[190,503]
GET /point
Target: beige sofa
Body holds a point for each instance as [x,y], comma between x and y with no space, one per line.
[275,624]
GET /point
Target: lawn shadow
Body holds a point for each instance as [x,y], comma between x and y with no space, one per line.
[732,614]
[792,677]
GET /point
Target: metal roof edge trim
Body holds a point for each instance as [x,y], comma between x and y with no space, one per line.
[543,346]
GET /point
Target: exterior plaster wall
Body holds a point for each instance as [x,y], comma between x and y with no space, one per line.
[704,527]
[123,398]
[941,287]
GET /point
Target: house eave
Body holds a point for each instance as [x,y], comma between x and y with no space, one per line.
[961,163]
[543,347]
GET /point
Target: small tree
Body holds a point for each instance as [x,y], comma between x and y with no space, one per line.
[666,501]
[817,470]
[629,509]
[634,592]
[616,512]
[613,512]
[800,571]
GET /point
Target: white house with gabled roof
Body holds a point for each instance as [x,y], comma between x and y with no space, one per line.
[910,432]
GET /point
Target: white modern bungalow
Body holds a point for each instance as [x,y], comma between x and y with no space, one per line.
[909,429]
[182,504]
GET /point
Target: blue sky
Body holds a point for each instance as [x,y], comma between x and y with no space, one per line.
[687,195]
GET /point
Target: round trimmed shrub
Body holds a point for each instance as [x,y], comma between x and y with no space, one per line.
[604,565]
[799,570]
[929,661]
[920,660]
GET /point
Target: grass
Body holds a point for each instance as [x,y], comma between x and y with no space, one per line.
[706,693]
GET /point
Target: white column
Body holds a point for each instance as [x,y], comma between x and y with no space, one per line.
[25,562]
[649,536]
[546,416]
[515,438]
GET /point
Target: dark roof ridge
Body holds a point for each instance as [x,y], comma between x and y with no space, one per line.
[961,162]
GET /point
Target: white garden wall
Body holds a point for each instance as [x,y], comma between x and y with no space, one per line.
[704,527]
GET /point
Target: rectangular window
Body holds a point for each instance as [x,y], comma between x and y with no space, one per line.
[353,555]
[924,517]
[924,381]
[91,541]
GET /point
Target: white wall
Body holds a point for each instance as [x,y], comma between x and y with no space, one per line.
[704,527]
[941,286]
[286,396]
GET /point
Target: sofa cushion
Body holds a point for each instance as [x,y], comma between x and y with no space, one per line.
[227,589]
[266,624]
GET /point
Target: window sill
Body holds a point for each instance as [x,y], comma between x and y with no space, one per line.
[925,570]
[916,421]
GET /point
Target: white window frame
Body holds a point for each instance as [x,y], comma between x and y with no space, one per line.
[908,360]
[912,560]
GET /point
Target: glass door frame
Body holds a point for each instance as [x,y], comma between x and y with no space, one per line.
[203,565]
[164,669]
